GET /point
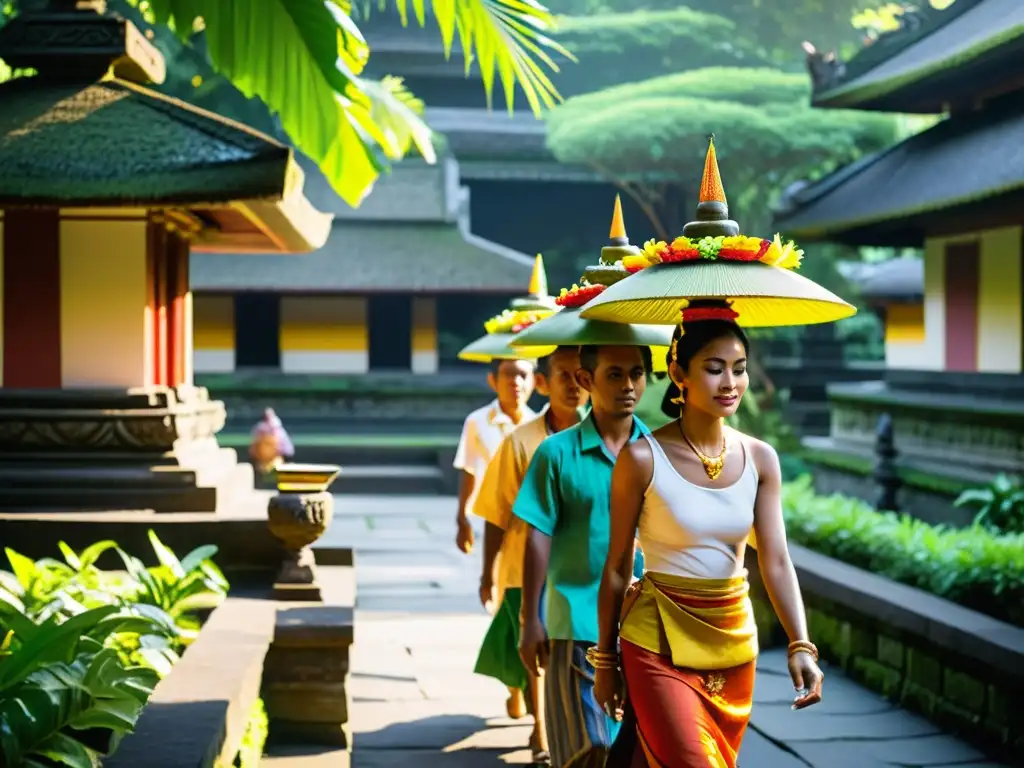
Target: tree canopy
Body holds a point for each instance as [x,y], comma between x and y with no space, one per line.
[651,133]
[760,118]
[620,47]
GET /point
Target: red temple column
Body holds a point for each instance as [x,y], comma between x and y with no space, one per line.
[31,298]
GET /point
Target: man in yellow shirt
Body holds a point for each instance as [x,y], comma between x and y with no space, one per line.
[502,577]
[483,431]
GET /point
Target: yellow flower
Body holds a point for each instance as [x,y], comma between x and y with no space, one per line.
[742,243]
[784,256]
[640,261]
[682,243]
[652,251]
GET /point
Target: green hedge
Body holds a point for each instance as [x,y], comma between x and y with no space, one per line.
[969,566]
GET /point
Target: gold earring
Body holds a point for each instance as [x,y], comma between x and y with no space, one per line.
[681,399]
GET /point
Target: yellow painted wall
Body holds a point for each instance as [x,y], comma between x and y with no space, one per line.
[324,334]
[904,324]
[922,348]
[104,338]
[999,301]
[213,333]
[424,335]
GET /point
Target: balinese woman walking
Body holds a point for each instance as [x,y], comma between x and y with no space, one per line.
[677,650]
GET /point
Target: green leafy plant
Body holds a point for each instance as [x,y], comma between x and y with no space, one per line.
[65,698]
[999,505]
[973,567]
[167,599]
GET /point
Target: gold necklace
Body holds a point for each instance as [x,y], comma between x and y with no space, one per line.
[713,465]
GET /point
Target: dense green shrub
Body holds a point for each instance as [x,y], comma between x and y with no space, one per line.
[81,649]
[999,505]
[972,566]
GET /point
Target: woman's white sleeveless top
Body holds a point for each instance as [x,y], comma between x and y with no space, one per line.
[689,530]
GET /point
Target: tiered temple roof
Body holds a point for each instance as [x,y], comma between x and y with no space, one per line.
[411,235]
[965,171]
[935,59]
[63,141]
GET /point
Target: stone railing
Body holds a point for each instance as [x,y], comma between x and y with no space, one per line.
[948,433]
[960,668]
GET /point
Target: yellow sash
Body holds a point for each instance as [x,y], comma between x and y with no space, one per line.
[702,624]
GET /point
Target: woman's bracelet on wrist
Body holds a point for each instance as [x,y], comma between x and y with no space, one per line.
[802,646]
[602,659]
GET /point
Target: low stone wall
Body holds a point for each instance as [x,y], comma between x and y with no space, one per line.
[294,656]
[197,715]
[960,668]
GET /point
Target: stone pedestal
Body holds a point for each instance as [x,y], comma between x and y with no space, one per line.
[69,450]
[305,676]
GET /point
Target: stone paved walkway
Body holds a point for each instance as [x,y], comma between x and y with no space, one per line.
[418,703]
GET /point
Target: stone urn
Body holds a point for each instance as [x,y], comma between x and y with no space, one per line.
[297,516]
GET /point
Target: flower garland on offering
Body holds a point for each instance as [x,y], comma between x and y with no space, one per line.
[774,253]
[578,295]
[514,321]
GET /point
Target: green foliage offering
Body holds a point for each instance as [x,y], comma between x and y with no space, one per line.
[973,567]
[1000,504]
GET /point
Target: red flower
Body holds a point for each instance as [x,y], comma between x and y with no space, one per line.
[696,314]
[579,296]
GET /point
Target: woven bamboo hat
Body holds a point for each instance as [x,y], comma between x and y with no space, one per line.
[712,260]
[568,328]
[523,312]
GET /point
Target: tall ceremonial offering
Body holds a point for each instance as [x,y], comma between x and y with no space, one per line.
[521,314]
[756,278]
[569,328]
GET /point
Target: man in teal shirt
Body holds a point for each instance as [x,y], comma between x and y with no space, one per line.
[564,500]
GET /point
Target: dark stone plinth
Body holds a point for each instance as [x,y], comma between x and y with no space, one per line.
[152,448]
[305,679]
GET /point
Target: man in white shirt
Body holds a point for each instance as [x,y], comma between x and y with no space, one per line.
[483,431]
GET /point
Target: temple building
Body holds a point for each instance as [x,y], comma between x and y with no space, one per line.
[370,299]
[953,383]
[105,187]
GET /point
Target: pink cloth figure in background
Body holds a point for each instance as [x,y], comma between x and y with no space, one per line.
[270,442]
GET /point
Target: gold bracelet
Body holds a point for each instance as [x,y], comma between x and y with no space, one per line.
[805,646]
[601,659]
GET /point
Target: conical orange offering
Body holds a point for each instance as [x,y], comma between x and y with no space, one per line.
[711,189]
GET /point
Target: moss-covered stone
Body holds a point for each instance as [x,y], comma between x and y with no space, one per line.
[768,627]
[998,709]
[963,690]
[954,718]
[825,632]
[924,670]
[878,677]
[890,652]
[918,699]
